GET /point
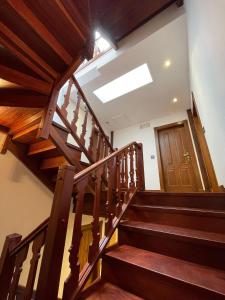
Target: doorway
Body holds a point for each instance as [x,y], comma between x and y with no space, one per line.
[178,167]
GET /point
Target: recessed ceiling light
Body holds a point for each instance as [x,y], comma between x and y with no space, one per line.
[175,100]
[124,84]
[167,63]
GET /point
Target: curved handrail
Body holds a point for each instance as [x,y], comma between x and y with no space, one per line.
[79,176]
[30,237]
[92,112]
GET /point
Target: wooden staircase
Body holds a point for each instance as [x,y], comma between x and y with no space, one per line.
[170,246]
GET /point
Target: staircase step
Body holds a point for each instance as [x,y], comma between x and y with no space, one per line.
[155,276]
[54,162]
[40,147]
[197,246]
[214,201]
[108,291]
[28,135]
[194,218]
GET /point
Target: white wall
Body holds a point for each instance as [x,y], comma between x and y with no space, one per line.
[206,23]
[146,136]
[25,202]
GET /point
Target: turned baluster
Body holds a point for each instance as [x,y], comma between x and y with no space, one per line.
[119,200]
[131,154]
[73,279]
[20,258]
[76,112]
[123,170]
[109,206]
[7,263]
[91,145]
[99,146]
[84,127]
[66,99]
[36,250]
[136,166]
[94,247]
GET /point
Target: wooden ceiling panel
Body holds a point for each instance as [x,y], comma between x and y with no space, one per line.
[48,14]
[20,28]
[119,18]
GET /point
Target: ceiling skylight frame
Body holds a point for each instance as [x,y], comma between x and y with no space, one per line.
[124,84]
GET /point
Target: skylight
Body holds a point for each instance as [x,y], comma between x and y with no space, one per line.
[124,84]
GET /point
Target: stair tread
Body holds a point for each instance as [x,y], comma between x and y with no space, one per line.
[109,291]
[184,210]
[193,234]
[191,273]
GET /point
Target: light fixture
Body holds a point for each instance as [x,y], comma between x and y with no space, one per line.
[124,84]
[175,100]
[167,63]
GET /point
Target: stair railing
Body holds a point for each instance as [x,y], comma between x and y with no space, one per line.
[14,255]
[124,174]
[121,174]
[74,112]
[49,237]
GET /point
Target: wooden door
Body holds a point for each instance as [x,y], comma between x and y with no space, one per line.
[178,166]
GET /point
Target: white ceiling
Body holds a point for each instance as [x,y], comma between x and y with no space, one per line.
[155,99]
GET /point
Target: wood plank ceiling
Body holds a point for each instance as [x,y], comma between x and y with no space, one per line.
[41,44]
[118,18]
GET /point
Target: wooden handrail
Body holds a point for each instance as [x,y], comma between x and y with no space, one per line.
[123,175]
[79,176]
[30,237]
[91,111]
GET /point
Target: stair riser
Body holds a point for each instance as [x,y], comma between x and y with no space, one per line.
[198,201]
[149,285]
[178,247]
[199,222]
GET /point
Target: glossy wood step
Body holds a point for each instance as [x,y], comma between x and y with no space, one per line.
[54,162]
[27,135]
[108,291]
[194,200]
[197,246]
[40,147]
[194,218]
[155,276]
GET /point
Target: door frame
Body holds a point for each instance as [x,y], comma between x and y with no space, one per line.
[191,150]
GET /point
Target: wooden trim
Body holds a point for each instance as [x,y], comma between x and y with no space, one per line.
[199,153]
[204,147]
[21,9]
[191,150]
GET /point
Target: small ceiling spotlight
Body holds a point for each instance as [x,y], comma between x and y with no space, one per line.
[167,63]
[175,100]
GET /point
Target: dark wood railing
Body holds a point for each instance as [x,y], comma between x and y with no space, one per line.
[115,179]
[14,255]
[75,113]
[124,175]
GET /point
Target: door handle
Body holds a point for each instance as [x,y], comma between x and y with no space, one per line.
[187,156]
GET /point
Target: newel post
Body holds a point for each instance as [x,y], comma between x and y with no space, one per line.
[7,263]
[140,167]
[48,282]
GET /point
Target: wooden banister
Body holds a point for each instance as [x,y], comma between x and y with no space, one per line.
[91,111]
[123,165]
[30,237]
